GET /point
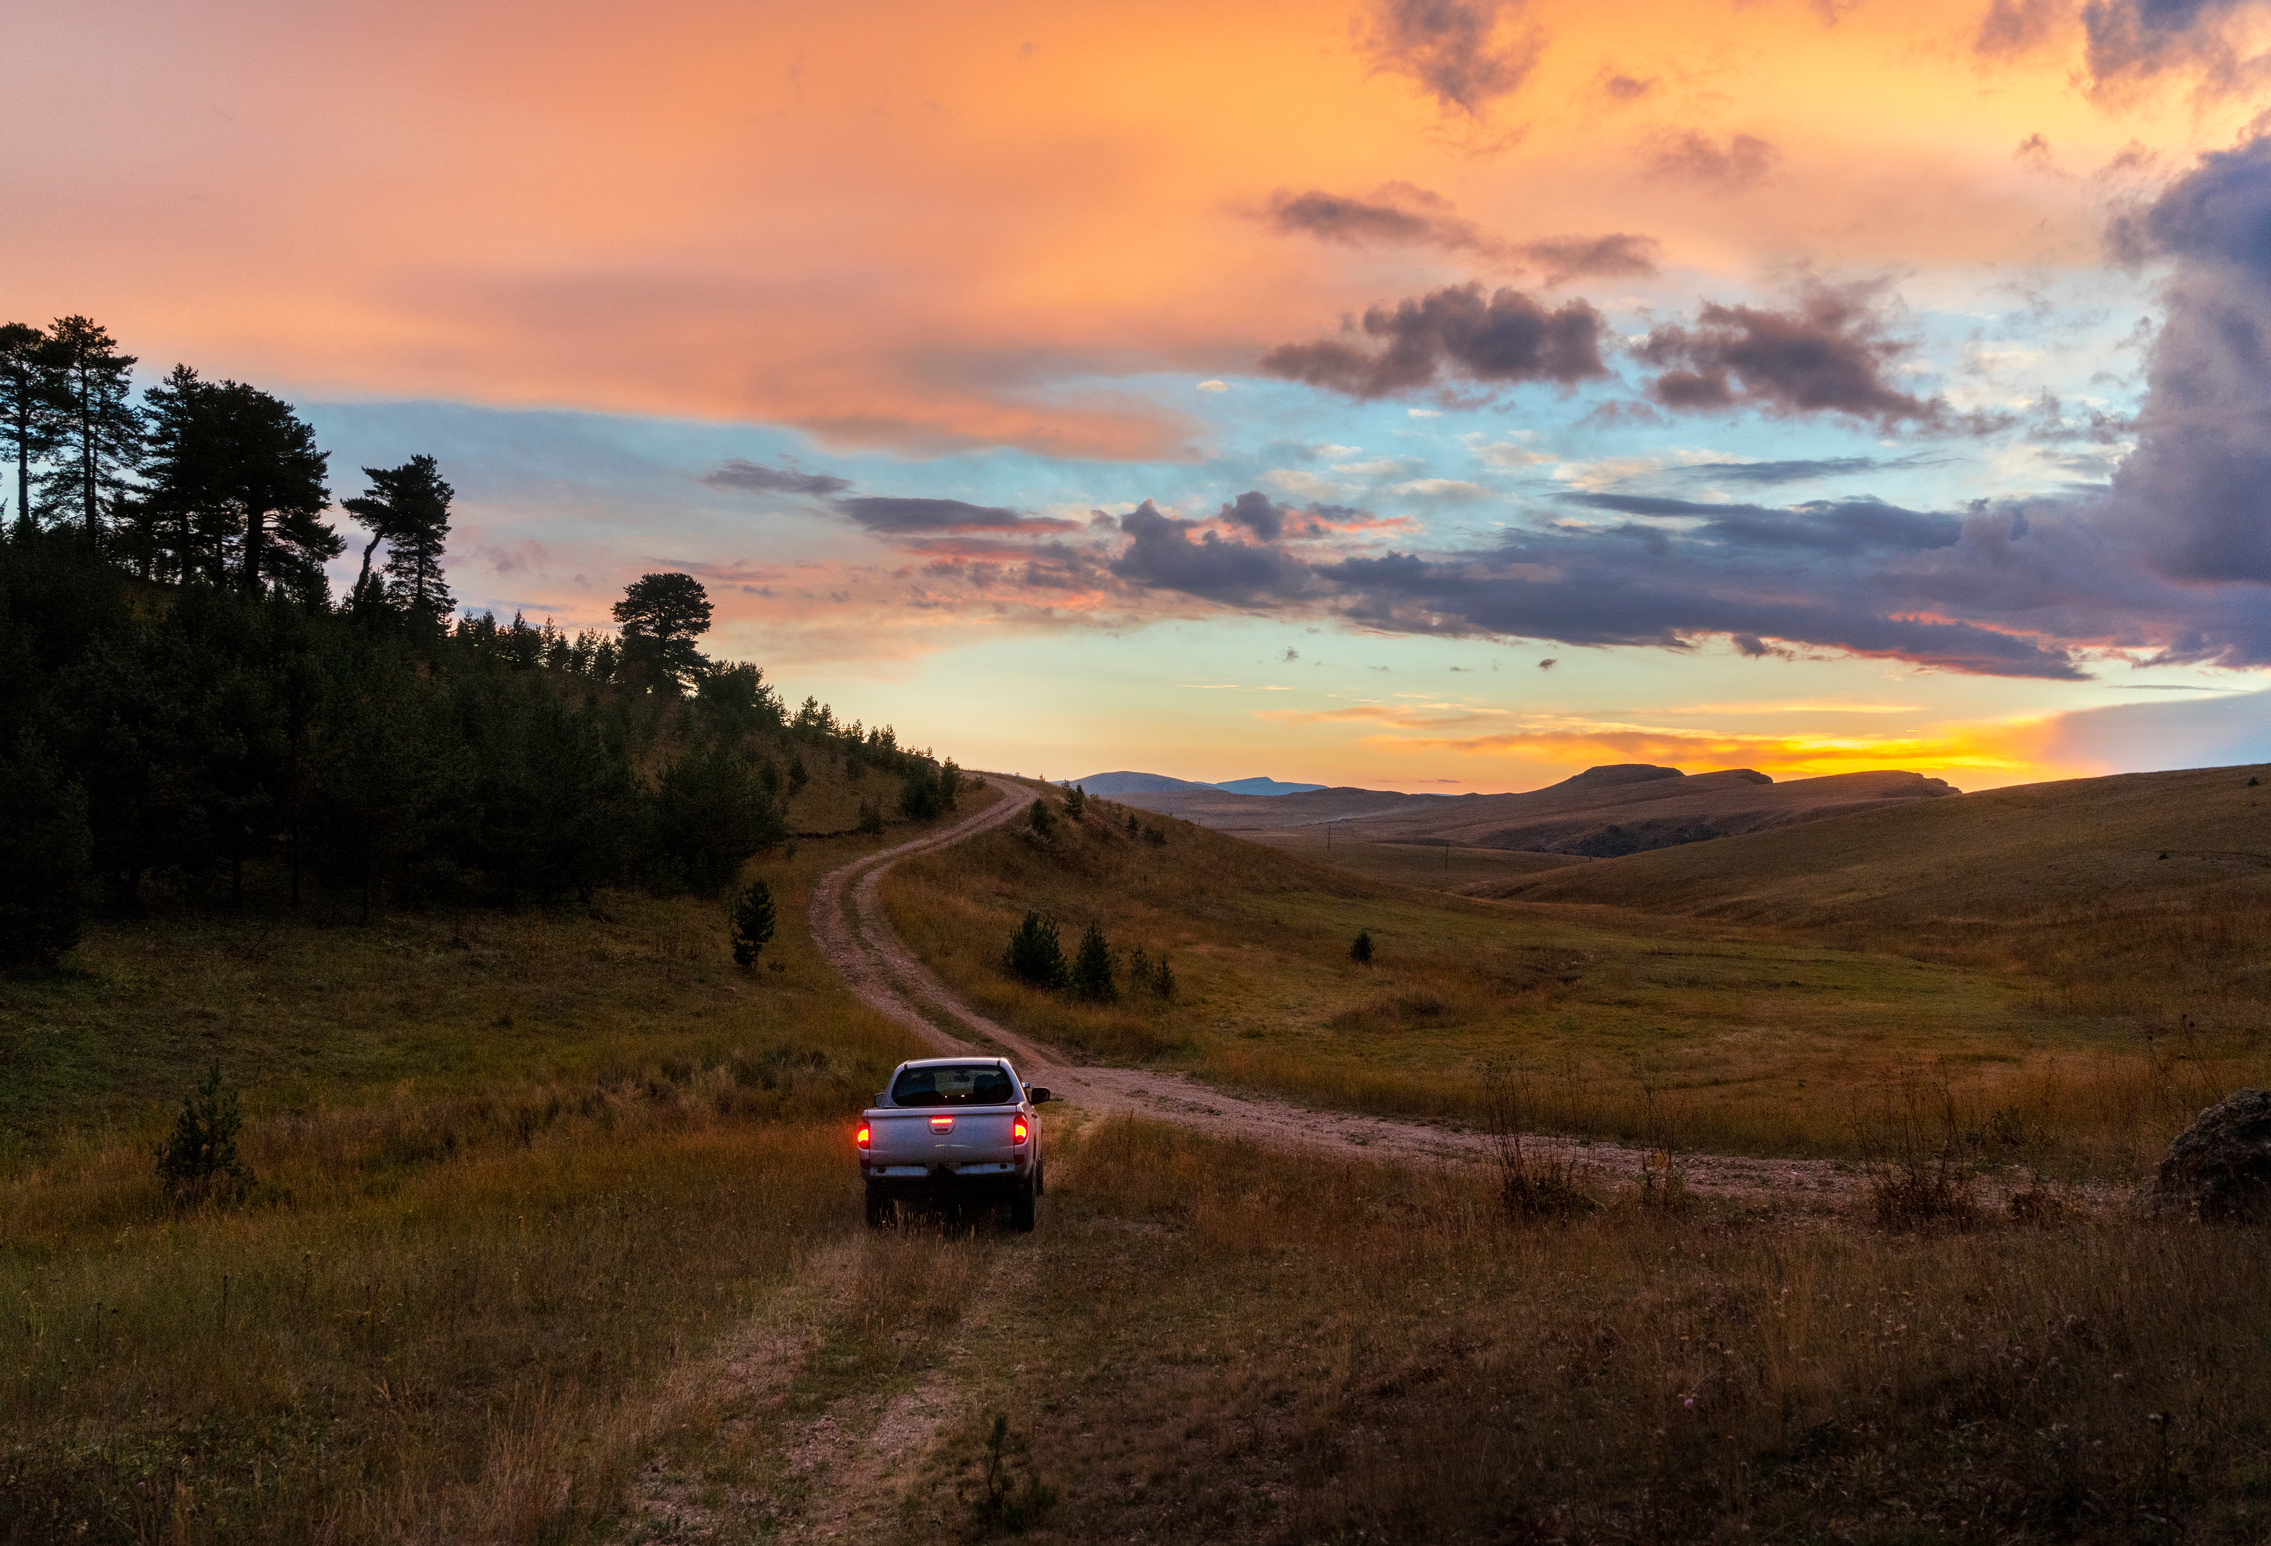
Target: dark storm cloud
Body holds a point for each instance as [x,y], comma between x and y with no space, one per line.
[1849,526]
[1160,554]
[748,477]
[1828,354]
[1504,338]
[2194,488]
[1466,53]
[1687,156]
[923,516]
[1401,214]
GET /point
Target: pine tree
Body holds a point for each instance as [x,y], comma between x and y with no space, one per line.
[752,923]
[1092,968]
[661,616]
[27,407]
[407,508]
[1034,953]
[98,430]
[1361,950]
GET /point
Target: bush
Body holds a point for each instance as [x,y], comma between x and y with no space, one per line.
[1158,976]
[47,871]
[1034,954]
[752,923]
[1361,951]
[200,1159]
[1043,821]
[871,816]
[1092,968]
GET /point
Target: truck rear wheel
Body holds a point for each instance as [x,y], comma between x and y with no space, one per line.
[878,1208]
[1021,1208]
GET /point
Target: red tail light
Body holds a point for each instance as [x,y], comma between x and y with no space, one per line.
[863,1137]
[1017,1132]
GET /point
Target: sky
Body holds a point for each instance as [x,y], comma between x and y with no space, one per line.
[1445,395]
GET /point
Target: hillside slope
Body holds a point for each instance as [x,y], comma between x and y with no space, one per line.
[1601,813]
[2006,854]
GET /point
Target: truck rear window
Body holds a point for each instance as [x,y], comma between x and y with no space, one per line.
[977,1084]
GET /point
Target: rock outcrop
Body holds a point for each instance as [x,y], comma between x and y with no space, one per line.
[2219,1168]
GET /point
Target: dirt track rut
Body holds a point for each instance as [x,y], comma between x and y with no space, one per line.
[854,934]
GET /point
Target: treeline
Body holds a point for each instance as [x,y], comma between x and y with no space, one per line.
[185,708]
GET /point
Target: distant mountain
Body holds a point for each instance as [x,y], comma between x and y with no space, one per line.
[1113,785]
[1600,813]
[1266,786]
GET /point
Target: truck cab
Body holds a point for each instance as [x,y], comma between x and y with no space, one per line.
[949,1130]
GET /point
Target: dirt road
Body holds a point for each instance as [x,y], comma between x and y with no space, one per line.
[853,933]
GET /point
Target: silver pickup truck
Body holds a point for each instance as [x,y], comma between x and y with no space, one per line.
[952,1128]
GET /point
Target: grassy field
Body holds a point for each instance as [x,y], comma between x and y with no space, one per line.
[511,1169]
[1765,1037]
[1451,867]
[554,1238]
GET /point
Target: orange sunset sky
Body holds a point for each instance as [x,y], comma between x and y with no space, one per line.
[1437,394]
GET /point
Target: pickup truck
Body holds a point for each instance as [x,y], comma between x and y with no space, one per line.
[949,1129]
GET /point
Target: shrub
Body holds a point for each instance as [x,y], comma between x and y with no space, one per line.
[1092,968]
[871,816]
[1361,951]
[199,1160]
[1034,954]
[1158,976]
[798,778]
[1534,1182]
[752,923]
[998,1499]
[1155,837]
[1043,821]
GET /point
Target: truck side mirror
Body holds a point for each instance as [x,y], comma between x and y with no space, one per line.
[1038,1094]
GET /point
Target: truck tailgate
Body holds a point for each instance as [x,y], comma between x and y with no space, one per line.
[920,1140]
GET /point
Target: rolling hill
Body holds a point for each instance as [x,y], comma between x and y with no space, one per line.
[1604,812]
[2031,851]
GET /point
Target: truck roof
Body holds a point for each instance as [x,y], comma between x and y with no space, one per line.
[952,1062]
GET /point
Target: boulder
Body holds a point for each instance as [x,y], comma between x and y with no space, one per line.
[2219,1168]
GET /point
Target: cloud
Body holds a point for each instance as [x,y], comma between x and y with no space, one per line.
[748,477]
[1256,512]
[1214,386]
[1628,88]
[1849,526]
[914,516]
[1504,338]
[1160,554]
[1801,471]
[1688,156]
[2131,41]
[1619,255]
[1402,214]
[2193,489]
[1466,53]
[1828,354]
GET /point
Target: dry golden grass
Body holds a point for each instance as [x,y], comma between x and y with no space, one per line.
[1452,867]
[513,1169]
[1216,1343]
[1645,1027]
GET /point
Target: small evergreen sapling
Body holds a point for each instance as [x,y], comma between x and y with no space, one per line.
[1076,802]
[1361,951]
[1043,822]
[200,1159]
[1034,954]
[1092,968]
[752,923]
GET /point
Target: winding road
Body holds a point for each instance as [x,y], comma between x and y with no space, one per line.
[855,936]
